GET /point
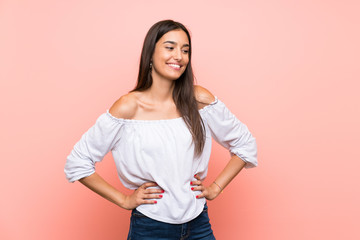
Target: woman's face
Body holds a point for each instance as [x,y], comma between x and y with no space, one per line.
[171,55]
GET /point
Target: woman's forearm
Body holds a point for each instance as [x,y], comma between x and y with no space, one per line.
[97,184]
[232,168]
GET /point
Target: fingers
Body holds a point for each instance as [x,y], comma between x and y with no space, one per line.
[146,188]
[149,198]
[149,202]
[148,195]
[196,185]
[151,195]
[198,188]
[196,182]
[201,195]
[153,190]
[148,184]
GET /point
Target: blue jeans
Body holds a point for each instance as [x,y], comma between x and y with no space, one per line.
[145,228]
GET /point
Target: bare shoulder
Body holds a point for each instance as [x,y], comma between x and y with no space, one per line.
[125,106]
[203,96]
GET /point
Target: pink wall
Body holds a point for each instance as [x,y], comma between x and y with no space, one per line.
[288,69]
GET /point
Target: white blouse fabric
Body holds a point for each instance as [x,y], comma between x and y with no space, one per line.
[161,151]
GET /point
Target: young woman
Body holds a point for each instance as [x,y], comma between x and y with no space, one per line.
[160,138]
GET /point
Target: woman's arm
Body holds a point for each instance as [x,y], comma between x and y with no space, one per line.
[233,167]
[231,134]
[93,147]
[142,195]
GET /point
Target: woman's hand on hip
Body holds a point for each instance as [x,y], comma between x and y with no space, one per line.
[210,192]
[143,195]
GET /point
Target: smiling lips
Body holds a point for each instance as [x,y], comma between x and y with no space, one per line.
[174,66]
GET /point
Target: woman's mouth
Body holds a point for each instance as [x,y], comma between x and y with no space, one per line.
[174,66]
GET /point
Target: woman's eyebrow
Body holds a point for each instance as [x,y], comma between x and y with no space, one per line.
[172,42]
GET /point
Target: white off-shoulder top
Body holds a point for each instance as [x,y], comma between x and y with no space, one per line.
[161,151]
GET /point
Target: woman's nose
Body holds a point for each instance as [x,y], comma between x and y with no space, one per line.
[178,55]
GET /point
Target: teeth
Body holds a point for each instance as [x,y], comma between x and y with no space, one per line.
[174,65]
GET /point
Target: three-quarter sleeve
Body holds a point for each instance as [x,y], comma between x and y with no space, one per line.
[92,147]
[232,134]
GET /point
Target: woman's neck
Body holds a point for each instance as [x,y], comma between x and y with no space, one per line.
[161,90]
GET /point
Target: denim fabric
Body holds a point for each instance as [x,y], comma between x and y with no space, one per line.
[145,228]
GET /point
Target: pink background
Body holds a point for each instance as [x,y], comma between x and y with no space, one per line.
[288,69]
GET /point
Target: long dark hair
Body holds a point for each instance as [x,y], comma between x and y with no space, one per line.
[183,93]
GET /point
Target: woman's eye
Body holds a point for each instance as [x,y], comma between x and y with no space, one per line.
[170,48]
[186,51]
